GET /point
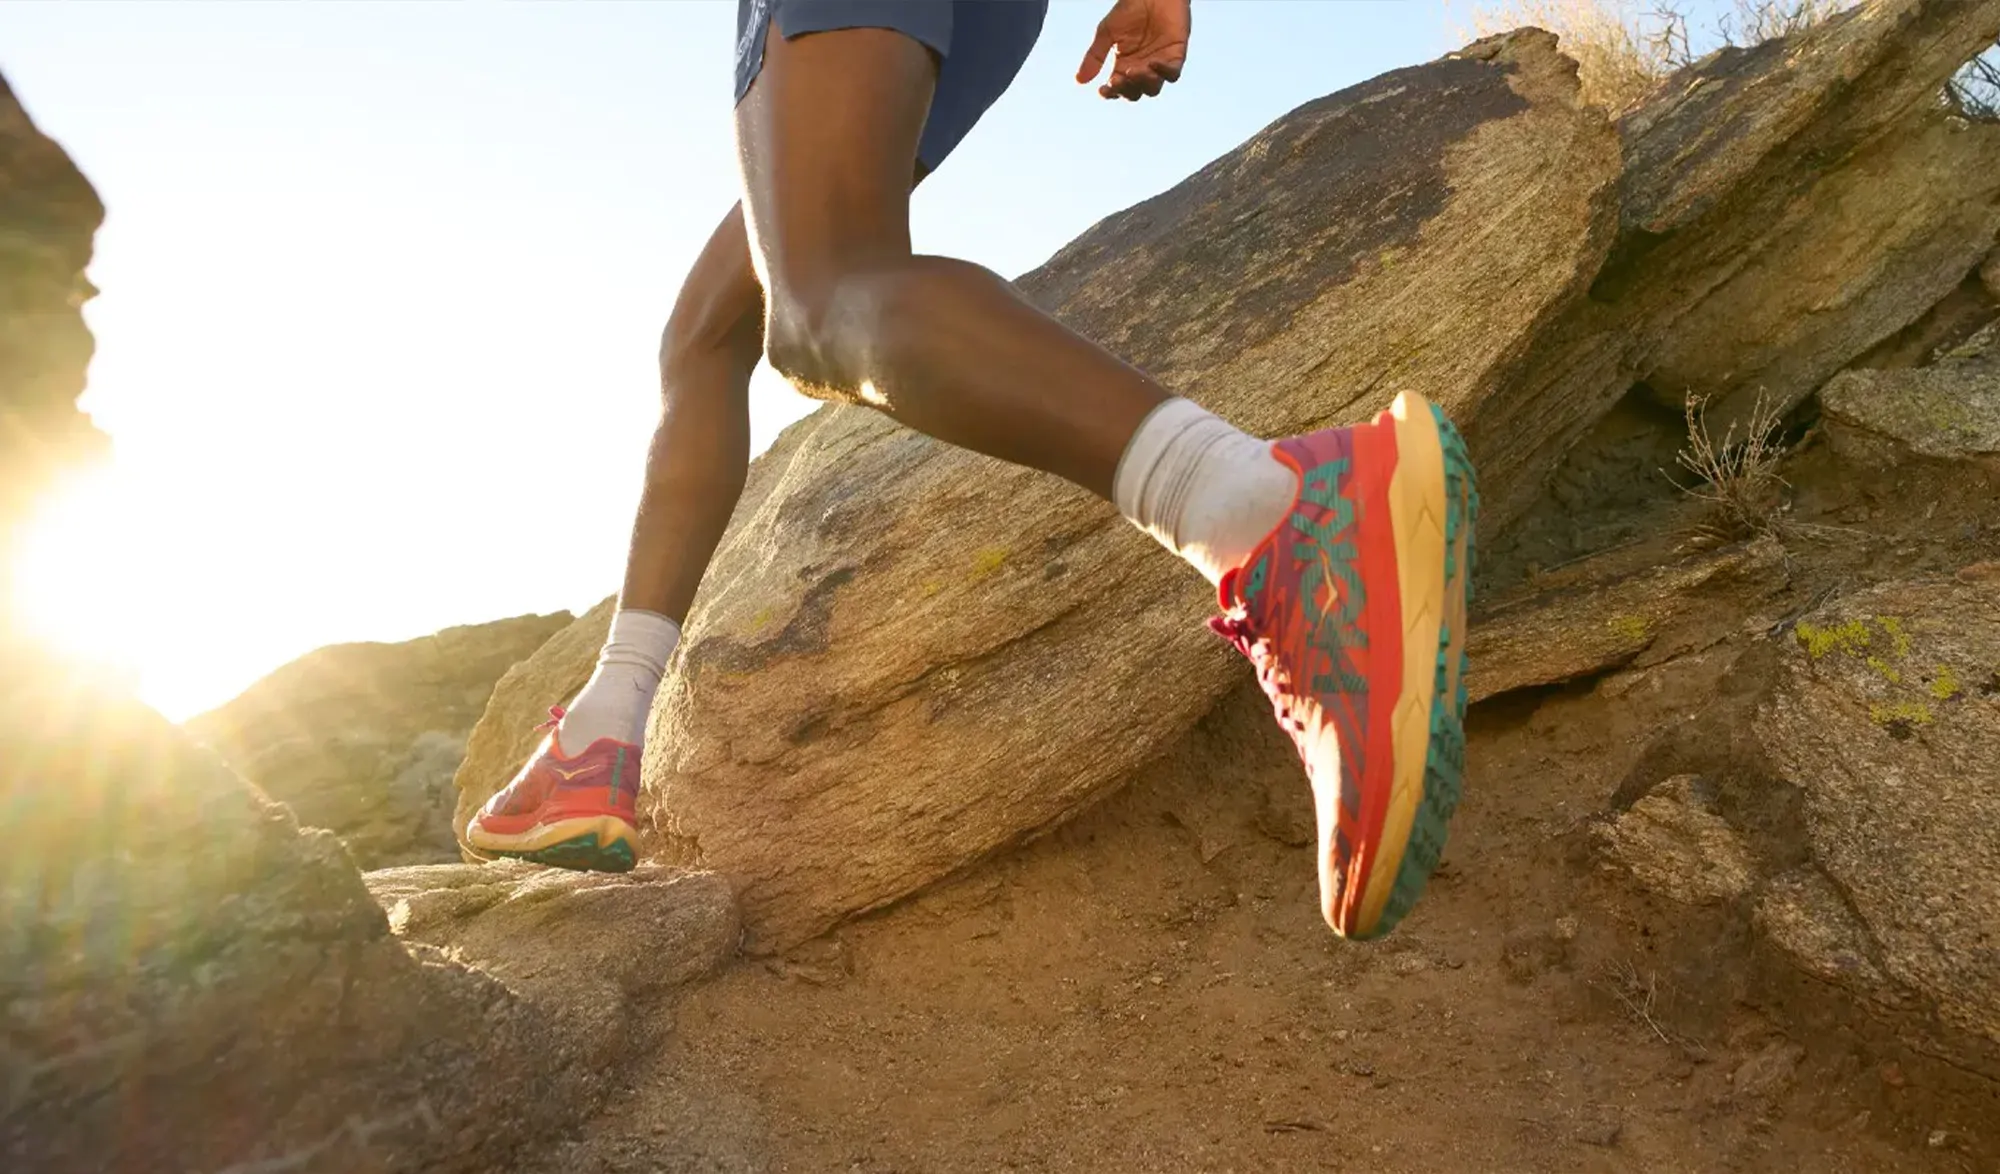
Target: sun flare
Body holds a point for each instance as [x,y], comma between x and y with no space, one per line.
[66,584]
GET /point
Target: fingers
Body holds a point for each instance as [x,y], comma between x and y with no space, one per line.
[1140,81]
[1093,60]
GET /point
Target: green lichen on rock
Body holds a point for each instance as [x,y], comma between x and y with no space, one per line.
[1630,627]
[1850,637]
[1893,627]
[1944,683]
[1914,713]
[988,561]
[1853,638]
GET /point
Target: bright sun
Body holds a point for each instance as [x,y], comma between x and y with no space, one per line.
[102,575]
[67,586]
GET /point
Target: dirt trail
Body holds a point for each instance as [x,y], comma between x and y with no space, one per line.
[1150,989]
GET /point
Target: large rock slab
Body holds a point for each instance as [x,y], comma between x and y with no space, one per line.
[363,739]
[1782,209]
[907,656]
[1886,717]
[1717,127]
[189,982]
[1849,261]
[506,731]
[1617,609]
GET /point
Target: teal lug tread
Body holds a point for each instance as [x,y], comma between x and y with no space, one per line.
[582,854]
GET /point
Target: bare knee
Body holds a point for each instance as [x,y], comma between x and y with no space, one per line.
[711,329]
[716,330]
[831,337]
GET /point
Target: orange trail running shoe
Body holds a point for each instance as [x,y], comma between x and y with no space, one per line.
[1353,612]
[569,812]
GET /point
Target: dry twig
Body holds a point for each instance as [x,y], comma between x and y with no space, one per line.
[1739,479]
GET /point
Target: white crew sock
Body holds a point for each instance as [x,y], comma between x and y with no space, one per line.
[615,701]
[1209,492]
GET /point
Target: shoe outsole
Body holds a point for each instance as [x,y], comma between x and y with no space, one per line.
[1444,759]
[1417,502]
[583,854]
[600,843]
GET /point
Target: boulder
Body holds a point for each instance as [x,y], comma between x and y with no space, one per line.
[1886,718]
[1948,411]
[362,739]
[1675,843]
[906,656]
[590,940]
[1847,262]
[48,218]
[506,731]
[189,981]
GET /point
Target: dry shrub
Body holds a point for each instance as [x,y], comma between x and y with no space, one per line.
[1620,52]
[1756,21]
[1974,92]
[1624,48]
[1739,479]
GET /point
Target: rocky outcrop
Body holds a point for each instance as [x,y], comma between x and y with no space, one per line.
[1886,718]
[907,656]
[363,739]
[190,982]
[1846,263]
[48,217]
[506,732]
[1783,208]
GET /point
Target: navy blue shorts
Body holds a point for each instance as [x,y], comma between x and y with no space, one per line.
[980,46]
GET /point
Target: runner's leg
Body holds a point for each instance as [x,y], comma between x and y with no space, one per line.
[827,136]
[1353,611]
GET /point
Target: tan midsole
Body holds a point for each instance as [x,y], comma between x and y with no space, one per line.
[1417,512]
[609,829]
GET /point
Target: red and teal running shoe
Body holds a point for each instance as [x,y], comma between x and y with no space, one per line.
[569,812]
[1353,611]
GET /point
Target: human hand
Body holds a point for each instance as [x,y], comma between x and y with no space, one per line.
[1151,38]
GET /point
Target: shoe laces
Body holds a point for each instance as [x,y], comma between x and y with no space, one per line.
[1236,628]
[556,714]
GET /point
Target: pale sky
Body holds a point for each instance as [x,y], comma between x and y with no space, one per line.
[383,284]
